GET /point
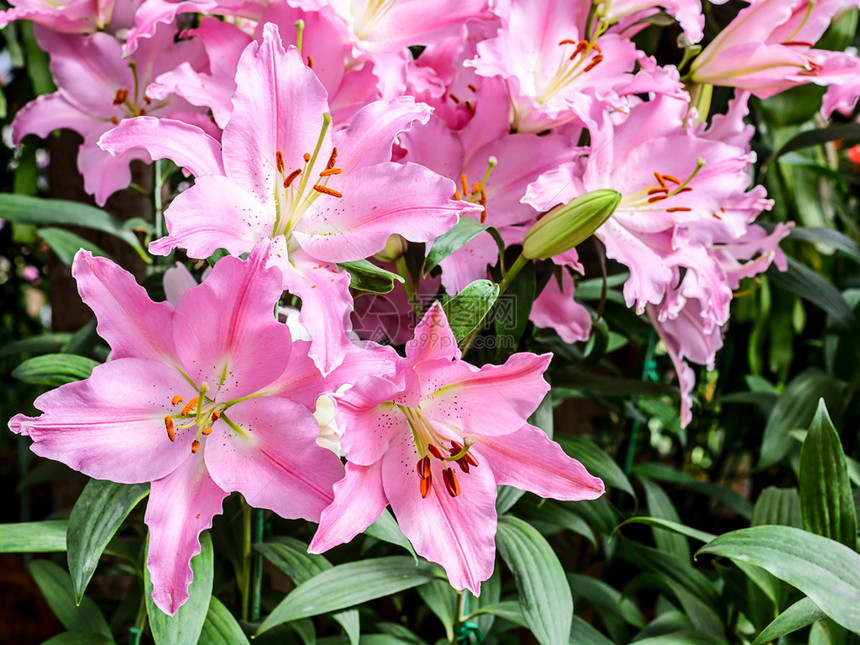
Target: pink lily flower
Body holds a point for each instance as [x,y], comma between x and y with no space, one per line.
[194,400]
[73,16]
[97,88]
[684,190]
[688,13]
[280,173]
[556,309]
[556,73]
[768,48]
[406,434]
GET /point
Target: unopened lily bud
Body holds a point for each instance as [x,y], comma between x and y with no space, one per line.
[567,225]
[395,247]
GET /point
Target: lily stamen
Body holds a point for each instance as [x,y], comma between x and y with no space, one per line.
[190,406]
[168,423]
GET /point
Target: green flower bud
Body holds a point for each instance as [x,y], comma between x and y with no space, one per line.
[395,247]
[567,225]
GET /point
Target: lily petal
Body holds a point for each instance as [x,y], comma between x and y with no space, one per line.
[358,501]
[111,426]
[275,461]
[180,507]
[529,460]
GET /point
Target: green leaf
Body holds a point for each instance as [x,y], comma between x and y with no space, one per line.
[549,516]
[42,344]
[36,210]
[779,506]
[674,527]
[509,610]
[828,237]
[601,384]
[79,638]
[581,633]
[441,598]
[596,461]
[660,507]
[65,244]
[464,232]
[809,285]
[33,537]
[665,473]
[350,584]
[823,569]
[54,369]
[795,409]
[385,528]
[220,627]
[291,556]
[185,626]
[818,137]
[686,637]
[802,613]
[366,276]
[596,593]
[100,510]
[544,596]
[826,500]
[467,309]
[56,587]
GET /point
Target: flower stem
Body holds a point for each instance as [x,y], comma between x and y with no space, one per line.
[257,588]
[512,273]
[245,581]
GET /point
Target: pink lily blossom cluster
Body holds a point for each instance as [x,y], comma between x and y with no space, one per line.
[322,132]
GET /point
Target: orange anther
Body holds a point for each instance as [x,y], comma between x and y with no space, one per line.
[674,180]
[454,98]
[328,172]
[215,415]
[425,485]
[678,209]
[451,482]
[168,423]
[190,405]
[306,157]
[279,161]
[327,191]
[654,191]
[433,449]
[332,159]
[195,446]
[176,400]
[291,177]
[310,62]
[114,120]
[465,183]
[207,430]
[657,198]
[594,63]
[423,467]
[472,87]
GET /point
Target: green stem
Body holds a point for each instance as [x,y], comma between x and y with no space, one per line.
[245,582]
[257,588]
[403,270]
[139,622]
[512,273]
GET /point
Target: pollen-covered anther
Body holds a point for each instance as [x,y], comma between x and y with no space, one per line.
[215,415]
[195,446]
[176,400]
[328,172]
[292,177]
[206,431]
[310,62]
[114,120]
[657,198]
[190,405]
[465,183]
[168,423]
[327,191]
[332,159]
[796,43]
[279,161]
[678,209]
[306,157]
[425,485]
[120,97]
[661,189]
[594,63]
[451,483]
